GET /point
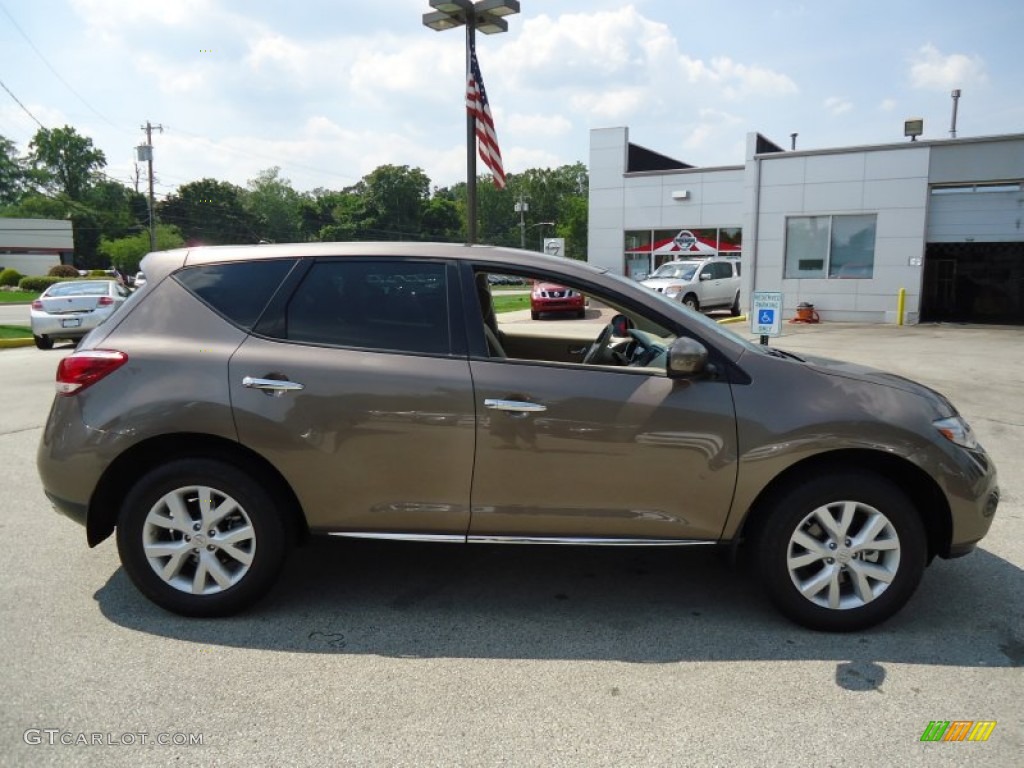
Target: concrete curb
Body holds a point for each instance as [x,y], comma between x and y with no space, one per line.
[12,343]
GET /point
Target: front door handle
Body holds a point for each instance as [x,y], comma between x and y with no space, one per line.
[517,406]
[272,386]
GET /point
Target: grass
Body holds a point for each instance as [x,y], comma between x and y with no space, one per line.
[17,297]
[15,332]
[510,303]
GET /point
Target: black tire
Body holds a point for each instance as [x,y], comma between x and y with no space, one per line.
[869,498]
[580,314]
[734,310]
[690,300]
[43,342]
[256,531]
[535,315]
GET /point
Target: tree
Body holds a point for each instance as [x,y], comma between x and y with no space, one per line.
[394,197]
[209,211]
[12,173]
[65,162]
[273,206]
[119,211]
[126,252]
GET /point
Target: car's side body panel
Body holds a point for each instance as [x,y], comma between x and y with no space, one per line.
[374,440]
[615,454]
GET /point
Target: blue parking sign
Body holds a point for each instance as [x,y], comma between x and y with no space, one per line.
[766,313]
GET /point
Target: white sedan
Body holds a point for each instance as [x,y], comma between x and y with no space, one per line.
[71,309]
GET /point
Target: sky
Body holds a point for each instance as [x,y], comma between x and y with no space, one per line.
[328,90]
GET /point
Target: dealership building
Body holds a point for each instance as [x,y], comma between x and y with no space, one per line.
[845,229]
[32,246]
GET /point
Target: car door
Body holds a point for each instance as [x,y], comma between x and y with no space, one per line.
[574,451]
[356,388]
[710,285]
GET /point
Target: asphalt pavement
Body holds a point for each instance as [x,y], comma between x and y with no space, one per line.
[414,655]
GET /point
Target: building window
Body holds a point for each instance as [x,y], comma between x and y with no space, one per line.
[646,249]
[830,246]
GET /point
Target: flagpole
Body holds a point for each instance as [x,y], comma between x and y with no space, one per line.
[470,139]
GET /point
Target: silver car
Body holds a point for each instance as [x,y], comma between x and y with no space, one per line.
[700,283]
[71,309]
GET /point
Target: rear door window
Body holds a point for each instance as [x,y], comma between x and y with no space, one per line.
[380,304]
[238,290]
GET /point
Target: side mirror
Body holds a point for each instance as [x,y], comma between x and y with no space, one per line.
[686,358]
[705,275]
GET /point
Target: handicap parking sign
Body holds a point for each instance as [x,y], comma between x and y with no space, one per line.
[766,313]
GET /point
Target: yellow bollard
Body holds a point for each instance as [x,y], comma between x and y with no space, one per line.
[901,301]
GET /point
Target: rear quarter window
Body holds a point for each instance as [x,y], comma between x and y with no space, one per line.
[238,291]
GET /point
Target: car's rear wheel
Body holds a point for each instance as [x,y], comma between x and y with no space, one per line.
[201,537]
[690,300]
[841,552]
[43,342]
[734,310]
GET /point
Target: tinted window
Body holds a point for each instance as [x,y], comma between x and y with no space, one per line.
[239,291]
[723,269]
[394,305]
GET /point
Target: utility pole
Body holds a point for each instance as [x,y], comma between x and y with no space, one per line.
[146,152]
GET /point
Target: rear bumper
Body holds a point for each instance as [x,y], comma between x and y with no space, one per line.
[53,325]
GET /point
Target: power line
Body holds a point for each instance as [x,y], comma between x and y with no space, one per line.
[56,73]
[21,105]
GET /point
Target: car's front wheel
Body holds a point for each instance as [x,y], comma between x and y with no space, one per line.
[201,537]
[841,552]
[690,300]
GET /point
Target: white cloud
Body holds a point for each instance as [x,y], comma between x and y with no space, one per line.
[837,106]
[613,104]
[887,105]
[274,50]
[536,125]
[934,71]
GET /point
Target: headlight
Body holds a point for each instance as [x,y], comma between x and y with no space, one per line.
[571,294]
[956,430]
[673,290]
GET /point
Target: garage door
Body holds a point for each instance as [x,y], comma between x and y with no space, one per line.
[974,259]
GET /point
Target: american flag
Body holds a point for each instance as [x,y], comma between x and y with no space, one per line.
[480,109]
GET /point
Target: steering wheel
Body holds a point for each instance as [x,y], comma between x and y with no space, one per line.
[601,352]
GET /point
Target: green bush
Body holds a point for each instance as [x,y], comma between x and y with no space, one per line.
[39,284]
[62,270]
[98,273]
[10,277]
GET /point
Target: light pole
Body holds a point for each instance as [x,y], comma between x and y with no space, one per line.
[521,208]
[542,224]
[485,15]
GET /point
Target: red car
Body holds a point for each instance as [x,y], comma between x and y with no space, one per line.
[552,297]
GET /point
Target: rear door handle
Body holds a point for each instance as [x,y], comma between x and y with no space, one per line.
[517,406]
[271,386]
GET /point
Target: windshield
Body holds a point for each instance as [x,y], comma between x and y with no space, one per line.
[676,271]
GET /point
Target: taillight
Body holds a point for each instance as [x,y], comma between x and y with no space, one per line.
[82,369]
[106,301]
[37,304]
